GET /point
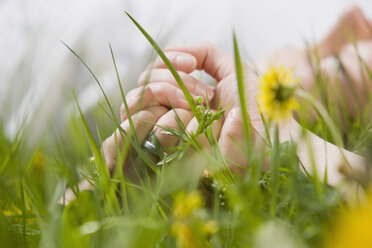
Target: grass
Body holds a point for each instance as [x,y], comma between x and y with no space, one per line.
[170,203]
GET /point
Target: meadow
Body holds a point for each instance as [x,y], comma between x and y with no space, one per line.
[180,200]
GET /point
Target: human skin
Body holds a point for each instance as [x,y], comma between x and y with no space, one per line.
[220,66]
[152,102]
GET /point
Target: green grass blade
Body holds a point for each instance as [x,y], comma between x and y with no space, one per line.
[174,72]
[241,90]
[95,78]
[323,113]
[274,169]
[129,116]
[104,178]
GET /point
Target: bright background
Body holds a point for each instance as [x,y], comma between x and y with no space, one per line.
[37,71]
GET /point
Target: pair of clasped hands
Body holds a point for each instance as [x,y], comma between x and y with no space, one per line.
[162,91]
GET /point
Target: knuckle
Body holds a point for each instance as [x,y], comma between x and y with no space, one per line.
[151,113]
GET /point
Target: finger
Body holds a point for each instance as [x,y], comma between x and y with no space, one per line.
[70,194]
[202,140]
[142,125]
[231,141]
[168,120]
[164,75]
[142,129]
[137,99]
[210,58]
[160,93]
[184,62]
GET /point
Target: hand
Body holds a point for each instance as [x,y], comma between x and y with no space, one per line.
[220,65]
[142,128]
[162,90]
[162,95]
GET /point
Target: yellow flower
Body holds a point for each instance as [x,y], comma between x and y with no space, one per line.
[277,87]
[353,228]
[15,211]
[210,227]
[183,234]
[185,204]
[14,215]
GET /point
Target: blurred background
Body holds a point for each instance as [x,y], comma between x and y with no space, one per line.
[38,73]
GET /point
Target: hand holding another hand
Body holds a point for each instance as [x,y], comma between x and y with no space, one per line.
[160,84]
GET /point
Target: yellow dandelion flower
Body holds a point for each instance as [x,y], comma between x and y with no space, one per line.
[277,87]
[353,228]
[185,204]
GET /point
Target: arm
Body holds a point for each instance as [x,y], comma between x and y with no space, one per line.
[311,149]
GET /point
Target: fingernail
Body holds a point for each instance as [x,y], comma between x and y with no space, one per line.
[210,87]
[210,91]
[203,89]
[186,61]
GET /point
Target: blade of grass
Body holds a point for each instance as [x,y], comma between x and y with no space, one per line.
[135,145]
[95,78]
[121,157]
[323,113]
[129,116]
[174,72]
[104,178]
[274,169]
[132,132]
[241,90]
[23,213]
[217,153]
